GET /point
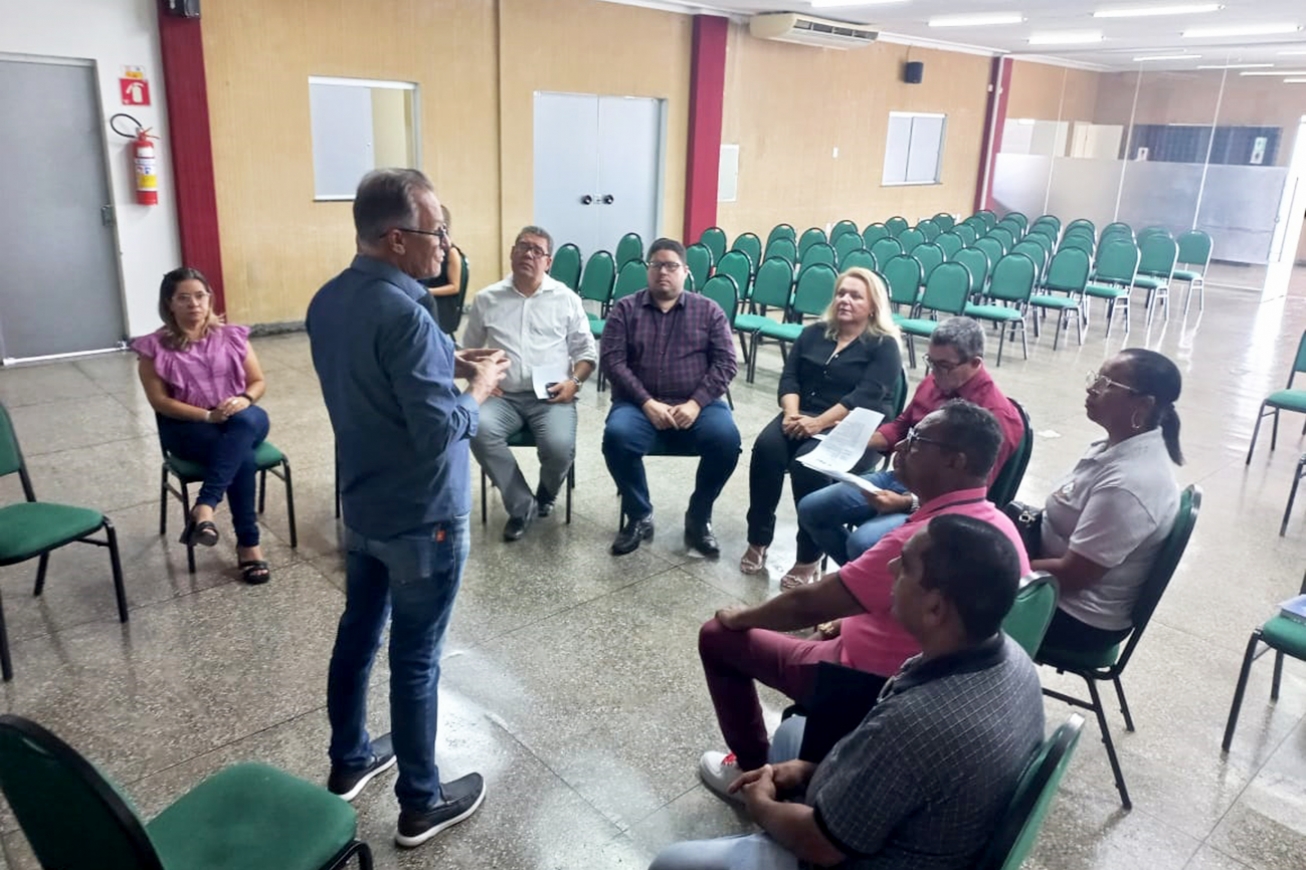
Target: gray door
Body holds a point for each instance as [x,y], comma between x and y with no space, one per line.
[630,168]
[59,286]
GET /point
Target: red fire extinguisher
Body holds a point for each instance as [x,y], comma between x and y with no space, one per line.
[144,160]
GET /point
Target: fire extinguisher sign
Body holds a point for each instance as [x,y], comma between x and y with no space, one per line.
[134,87]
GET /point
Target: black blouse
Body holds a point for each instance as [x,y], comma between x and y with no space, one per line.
[862,375]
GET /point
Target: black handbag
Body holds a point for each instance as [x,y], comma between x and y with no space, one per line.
[1029,523]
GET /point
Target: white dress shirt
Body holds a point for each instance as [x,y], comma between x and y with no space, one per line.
[549,327]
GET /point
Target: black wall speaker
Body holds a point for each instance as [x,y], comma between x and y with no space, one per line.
[913,72]
[184,8]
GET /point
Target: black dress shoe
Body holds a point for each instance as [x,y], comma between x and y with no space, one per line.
[698,536]
[461,798]
[517,526]
[634,532]
[544,500]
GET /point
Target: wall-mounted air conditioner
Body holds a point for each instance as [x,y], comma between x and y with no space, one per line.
[808,30]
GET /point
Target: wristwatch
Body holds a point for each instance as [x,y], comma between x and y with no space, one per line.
[578,382]
[915,503]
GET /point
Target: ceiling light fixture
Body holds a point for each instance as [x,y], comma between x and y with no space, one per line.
[1298,51]
[1240,30]
[1144,11]
[1276,72]
[1066,37]
[833,4]
[982,19]
[1167,57]
[1294,81]
[1234,65]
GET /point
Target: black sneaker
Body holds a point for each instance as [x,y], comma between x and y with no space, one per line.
[462,797]
[544,500]
[348,783]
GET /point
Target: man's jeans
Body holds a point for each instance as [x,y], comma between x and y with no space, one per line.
[827,513]
[413,579]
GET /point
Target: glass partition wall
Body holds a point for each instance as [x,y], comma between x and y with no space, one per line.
[1201,142]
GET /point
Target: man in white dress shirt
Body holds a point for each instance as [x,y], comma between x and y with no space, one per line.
[541,325]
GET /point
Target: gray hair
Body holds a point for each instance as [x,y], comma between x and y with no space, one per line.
[962,333]
[387,198]
[533,230]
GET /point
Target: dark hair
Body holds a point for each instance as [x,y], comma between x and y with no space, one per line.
[962,333]
[175,338]
[536,231]
[972,431]
[976,567]
[386,199]
[1153,374]
[667,245]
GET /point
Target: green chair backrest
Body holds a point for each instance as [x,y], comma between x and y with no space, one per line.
[977,263]
[1013,278]
[847,242]
[818,253]
[945,221]
[698,259]
[1068,271]
[737,265]
[873,233]
[1034,251]
[1042,235]
[774,284]
[1298,365]
[749,244]
[1116,227]
[1049,219]
[814,290]
[722,290]
[857,258]
[632,278]
[946,289]
[11,456]
[781,231]
[48,785]
[885,249]
[992,248]
[1153,231]
[1016,217]
[714,239]
[841,229]
[785,248]
[909,239]
[1157,254]
[900,394]
[1195,249]
[1082,241]
[1014,227]
[896,225]
[596,281]
[1077,223]
[967,232]
[950,242]
[929,256]
[903,275]
[1027,620]
[989,218]
[1018,829]
[566,265]
[631,247]
[1117,261]
[1002,236]
[929,229]
[1007,483]
[811,236]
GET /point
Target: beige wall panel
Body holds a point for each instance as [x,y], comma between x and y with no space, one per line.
[589,47]
[278,245]
[1048,92]
[789,106]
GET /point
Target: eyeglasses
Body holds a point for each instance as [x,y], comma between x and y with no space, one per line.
[1096,382]
[526,249]
[188,298]
[663,266]
[913,438]
[442,233]
[943,368]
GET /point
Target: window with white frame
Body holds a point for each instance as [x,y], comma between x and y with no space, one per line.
[914,151]
[359,125]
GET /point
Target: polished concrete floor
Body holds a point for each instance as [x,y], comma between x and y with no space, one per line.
[570,677]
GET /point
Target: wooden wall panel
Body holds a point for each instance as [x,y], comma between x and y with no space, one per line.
[789,106]
[1048,92]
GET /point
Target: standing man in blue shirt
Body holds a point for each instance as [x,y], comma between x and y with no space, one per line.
[402,430]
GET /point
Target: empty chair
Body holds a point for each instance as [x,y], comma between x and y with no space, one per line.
[1287,399]
[1081,222]
[929,229]
[723,290]
[1049,219]
[909,239]
[781,231]
[1117,227]
[772,288]
[566,266]
[737,265]
[967,233]
[858,257]
[977,263]
[812,294]
[810,236]
[1034,251]
[1046,232]
[1082,241]
[714,239]
[1153,231]
[946,292]
[1015,217]
[1067,273]
[1113,277]
[992,249]
[847,242]
[786,249]
[819,253]
[1158,254]
[698,259]
[950,242]
[896,225]
[842,228]
[1193,260]
[885,249]
[749,244]
[873,233]
[1002,236]
[596,286]
[902,274]
[929,256]
[631,247]
[945,221]
[1015,228]
[989,219]
[1008,293]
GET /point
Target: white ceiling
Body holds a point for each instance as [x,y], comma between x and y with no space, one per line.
[1124,38]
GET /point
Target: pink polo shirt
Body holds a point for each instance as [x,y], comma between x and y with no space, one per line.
[874,641]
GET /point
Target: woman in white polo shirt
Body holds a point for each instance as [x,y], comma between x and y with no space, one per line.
[1106,521]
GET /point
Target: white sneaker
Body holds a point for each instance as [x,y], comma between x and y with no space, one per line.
[718,770]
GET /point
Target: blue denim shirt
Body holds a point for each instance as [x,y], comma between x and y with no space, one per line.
[401,426]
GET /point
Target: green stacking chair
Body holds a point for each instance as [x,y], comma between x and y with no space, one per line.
[977,262]
[1014,227]
[750,244]
[817,253]
[714,239]
[989,219]
[903,276]
[1286,399]
[945,221]
[1284,635]
[1194,258]
[1067,273]
[929,229]
[886,249]
[967,233]
[523,437]
[1002,236]
[1109,665]
[812,294]
[1016,831]
[699,260]
[781,231]
[1115,228]
[1031,613]
[632,278]
[1017,218]
[1007,483]
[1036,252]
[873,233]
[32,529]
[950,242]
[909,239]
[847,243]
[772,288]
[786,249]
[810,236]
[992,248]
[946,292]
[596,286]
[1045,231]
[248,816]
[842,228]
[723,290]
[566,266]
[1158,254]
[1083,223]
[859,258]
[896,225]
[1113,277]
[1080,241]
[631,247]
[1049,219]
[1008,293]
[929,256]
[738,266]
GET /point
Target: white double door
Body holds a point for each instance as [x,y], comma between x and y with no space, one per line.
[598,168]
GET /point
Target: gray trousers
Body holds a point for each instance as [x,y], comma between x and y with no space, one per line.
[554,427]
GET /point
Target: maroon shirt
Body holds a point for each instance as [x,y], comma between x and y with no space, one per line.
[673,356]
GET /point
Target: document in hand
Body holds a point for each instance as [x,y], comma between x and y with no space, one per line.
[542,377]
[843,447]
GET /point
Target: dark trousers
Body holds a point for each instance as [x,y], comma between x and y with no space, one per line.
[774,453]
[628,437]
[226,450]
[1066,632]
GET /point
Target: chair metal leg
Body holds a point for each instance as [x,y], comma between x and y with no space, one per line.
[6,664]
[1002,340]
[1277,679]
[115,565]
[911,351]
[1110,316]
[41,565]
[1124,705]
[1292,494]
[485,516]
[1240,690]
[290,503]
[163,501]
[1274,431]
[190,548]
[730,400]
[1024,345]
[571,485]
[1110,746]
[356,849]
[1260,415]
[1079,326]
[262,490]
[1061,322]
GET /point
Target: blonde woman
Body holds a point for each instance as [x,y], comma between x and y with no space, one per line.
[850,359]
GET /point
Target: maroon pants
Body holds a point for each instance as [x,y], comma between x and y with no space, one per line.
[732,660]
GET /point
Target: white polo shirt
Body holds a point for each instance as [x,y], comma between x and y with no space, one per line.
[548,327]
[1115,508]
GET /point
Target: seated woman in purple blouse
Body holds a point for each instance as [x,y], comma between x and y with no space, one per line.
[202,379]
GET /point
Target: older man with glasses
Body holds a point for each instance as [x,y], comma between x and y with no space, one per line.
[670,358]
[541,325]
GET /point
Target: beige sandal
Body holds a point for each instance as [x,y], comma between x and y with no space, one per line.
[753,561]
[795,579]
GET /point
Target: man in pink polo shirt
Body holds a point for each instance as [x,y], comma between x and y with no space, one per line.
[945,460]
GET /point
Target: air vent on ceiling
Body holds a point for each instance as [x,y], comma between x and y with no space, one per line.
[808,30]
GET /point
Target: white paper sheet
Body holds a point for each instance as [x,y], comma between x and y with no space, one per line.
[845,444]
[542,376]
